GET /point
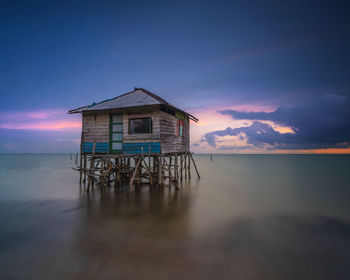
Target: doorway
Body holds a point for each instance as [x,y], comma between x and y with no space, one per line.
[116,134]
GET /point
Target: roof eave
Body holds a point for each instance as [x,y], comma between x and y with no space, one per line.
[193,118]
[77,110]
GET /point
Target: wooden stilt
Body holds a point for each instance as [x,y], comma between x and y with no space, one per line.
[176,172]
[135,172]
[181,167]
[160,167]
[189,165]
[185,167]
[85,159]
[90,179]
[158,170]
[81,168]
[170,171]
[194,164]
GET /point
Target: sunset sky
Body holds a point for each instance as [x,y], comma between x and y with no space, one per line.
[261,76]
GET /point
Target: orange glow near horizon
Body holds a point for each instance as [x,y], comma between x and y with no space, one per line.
[210,119]
[321,151]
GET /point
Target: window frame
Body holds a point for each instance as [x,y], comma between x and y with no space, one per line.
[138,118]
[179,128]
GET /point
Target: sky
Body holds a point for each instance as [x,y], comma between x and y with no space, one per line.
[261,76]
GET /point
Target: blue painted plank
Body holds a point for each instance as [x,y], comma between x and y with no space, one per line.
[128,148]
[135,148]
[101,147]
[98,144]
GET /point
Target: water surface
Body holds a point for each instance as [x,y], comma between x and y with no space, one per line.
[248,217]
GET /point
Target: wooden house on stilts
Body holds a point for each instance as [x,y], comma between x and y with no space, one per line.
[135,137]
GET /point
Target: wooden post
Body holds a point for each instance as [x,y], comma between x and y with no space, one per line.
[185,157]
[149,166]
[140,172]
[93,148]
[123,169]
[91,172]
[135,172]
[81,167]
[117,171]
[194,164]
[154,169]
[170,172]
[181,165]
[189,165]
[160,170]
[128,165]
[102,174]
[81,159]
[92,168]
[176,172]
[85,159]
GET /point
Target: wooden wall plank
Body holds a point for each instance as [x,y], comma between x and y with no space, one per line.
[95,128]
[168,139]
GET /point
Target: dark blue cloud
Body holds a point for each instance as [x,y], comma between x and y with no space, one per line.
[258,134]
[323,123]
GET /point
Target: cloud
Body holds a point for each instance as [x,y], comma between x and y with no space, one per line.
[37,114]
[53,125]
[49,119]
[234,148]
[258,134]
[324,123]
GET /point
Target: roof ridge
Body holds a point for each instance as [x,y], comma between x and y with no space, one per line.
[158,98]
[94,103]
[155,96]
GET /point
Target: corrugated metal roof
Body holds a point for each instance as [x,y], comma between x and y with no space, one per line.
[131,99]
[135,98]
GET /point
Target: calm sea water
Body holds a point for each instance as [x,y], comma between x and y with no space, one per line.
[248,217]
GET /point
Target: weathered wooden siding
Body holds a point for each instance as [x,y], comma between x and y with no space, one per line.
[169,141]
[144,138]
[96,128]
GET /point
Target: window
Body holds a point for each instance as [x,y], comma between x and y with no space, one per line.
[140,125]
[179,127]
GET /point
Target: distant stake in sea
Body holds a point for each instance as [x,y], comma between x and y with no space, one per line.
[134,138]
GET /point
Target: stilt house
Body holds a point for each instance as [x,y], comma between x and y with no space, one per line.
[134,122]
